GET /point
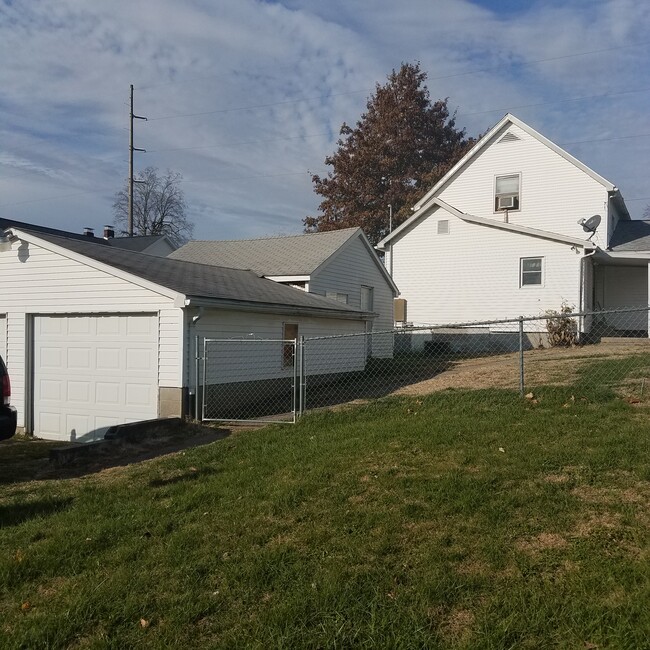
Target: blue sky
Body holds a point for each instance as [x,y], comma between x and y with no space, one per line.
[245,97]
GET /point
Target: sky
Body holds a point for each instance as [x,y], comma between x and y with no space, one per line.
[245,98]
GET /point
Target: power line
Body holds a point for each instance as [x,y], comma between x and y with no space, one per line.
[240,143]
[557,101]
[112,189]
[438,78]
[226,74]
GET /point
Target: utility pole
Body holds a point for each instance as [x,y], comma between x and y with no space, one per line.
[131,150]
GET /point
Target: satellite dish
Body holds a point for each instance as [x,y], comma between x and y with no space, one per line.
[590,225]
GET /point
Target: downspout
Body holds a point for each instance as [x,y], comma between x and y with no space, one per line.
[581,289]
[195,319]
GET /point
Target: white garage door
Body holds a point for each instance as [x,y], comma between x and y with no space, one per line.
[92,372]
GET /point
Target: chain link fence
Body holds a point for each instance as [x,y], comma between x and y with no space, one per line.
[249,380]
[582,353]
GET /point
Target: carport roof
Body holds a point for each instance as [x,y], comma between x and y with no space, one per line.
[199,281]
[633,235]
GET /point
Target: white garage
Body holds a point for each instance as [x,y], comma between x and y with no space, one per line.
[92,372]
[98,336]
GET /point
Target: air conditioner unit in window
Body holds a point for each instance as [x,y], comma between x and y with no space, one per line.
[505,202]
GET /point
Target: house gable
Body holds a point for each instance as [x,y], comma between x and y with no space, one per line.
[554,190]
[353,266]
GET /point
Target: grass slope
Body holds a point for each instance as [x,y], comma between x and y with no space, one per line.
[460,520]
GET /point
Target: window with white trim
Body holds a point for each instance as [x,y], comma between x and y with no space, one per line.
[531,271]
[506,192]
[443,227]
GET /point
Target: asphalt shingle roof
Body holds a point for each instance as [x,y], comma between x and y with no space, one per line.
[196,280]
[273,256]
[631,235]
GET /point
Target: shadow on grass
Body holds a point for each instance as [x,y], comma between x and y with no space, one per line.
[26,459]
[381,377]
[12,515]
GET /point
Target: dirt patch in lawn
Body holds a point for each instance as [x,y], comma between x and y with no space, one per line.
[557,366]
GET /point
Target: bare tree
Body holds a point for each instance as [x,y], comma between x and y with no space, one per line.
[158,206]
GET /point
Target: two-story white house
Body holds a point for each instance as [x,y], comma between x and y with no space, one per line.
[503,234]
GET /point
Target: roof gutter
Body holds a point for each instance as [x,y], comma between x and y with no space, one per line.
[273,308]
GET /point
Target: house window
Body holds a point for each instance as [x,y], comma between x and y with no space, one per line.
[506,192]
[531,271]
[339,297]
[367,298]
[289,333]
[443,227]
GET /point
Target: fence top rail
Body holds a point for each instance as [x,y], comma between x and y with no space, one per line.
[250,340]
[483,323]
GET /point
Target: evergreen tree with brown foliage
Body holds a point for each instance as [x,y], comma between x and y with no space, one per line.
[399,149]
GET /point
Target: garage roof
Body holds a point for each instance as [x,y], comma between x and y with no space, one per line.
[197,281]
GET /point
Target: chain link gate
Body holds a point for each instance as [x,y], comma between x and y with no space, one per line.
[250,380]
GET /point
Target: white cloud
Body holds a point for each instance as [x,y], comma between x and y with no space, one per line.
[64,100]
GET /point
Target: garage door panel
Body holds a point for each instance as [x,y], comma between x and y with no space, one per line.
[138,394]
[78,391]
[92,372]
[79,359]
[107,358]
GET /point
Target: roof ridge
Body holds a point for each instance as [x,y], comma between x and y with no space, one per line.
[304,234]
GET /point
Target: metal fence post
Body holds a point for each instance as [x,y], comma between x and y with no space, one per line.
[521,356]
[301,376]
[196,378]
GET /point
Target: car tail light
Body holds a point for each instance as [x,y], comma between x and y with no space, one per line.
[6,389]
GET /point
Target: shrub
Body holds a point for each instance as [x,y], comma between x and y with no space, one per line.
[562,330]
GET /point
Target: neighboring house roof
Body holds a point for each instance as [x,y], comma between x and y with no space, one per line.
[137,243]
[631,235]
[290,255]
[491,136]
[490,223]
[194,281]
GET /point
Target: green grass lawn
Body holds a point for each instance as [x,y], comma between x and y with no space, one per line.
[460,520]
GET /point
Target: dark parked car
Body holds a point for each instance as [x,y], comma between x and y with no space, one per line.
[7,412]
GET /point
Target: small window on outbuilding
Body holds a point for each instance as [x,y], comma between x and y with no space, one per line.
[531,270]
[339,297]
[367,298]
[506,192]
[443,227]
[289,333]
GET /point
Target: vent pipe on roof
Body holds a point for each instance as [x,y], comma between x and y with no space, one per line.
[109,232]
[89,232]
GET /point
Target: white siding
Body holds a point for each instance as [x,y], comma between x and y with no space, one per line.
[265,361]
[473,273]
[3,335]
[37,281]
[554,193]
[346,273]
